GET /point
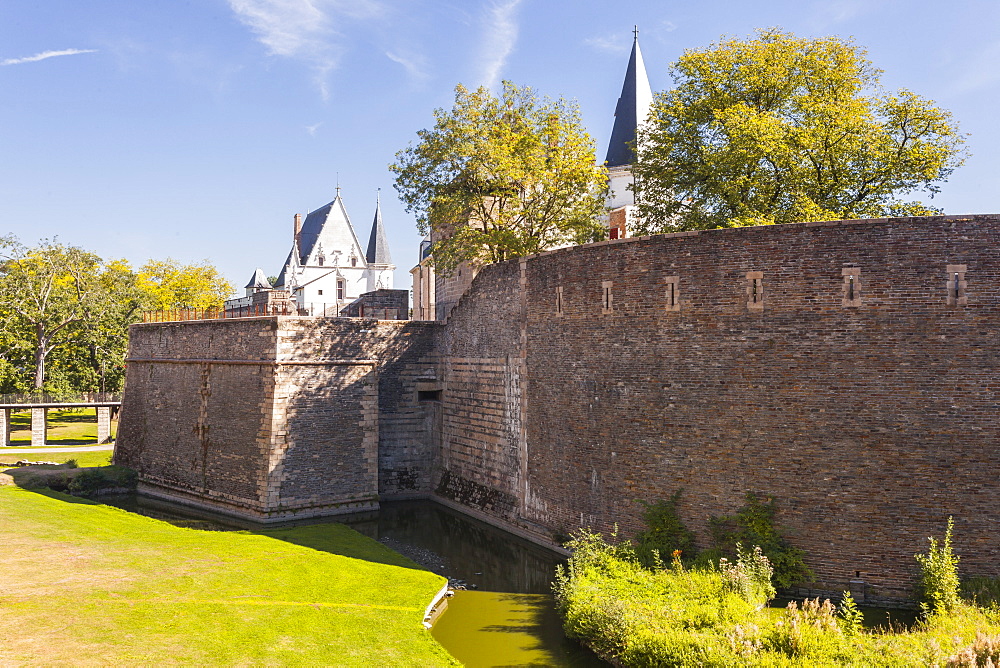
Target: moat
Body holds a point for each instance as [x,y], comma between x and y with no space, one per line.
[502,613]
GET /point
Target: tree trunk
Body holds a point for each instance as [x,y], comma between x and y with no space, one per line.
[39,367]
[40,354]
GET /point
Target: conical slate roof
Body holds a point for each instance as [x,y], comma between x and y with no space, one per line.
[632,109]
[291,262]
[378,246]
[258,280]
[327,227]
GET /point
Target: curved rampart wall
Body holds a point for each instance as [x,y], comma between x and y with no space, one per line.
[842,368]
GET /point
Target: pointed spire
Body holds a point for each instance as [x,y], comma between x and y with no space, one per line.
[378,247]
[258,280]
[632,109]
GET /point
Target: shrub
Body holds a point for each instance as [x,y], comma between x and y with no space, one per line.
[754,524]
[678,616]
[665,534]
[984,651]
[92,480]
[849,616]
[810,633]
[939,585]
[749,577]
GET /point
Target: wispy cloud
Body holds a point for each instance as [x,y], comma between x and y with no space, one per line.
[621,41]
[617,42]
[500,34]
[978,72]
[306,30]
[414,64]
[45,55]
[311,129]
[830,14]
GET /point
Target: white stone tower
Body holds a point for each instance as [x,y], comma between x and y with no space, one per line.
[631,111]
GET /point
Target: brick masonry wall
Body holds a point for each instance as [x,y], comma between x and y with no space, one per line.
[482,366]
[197,428]
[404,353]
[277,417]
[871,417]
[382,304]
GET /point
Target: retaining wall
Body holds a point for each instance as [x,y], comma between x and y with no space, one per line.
[837,367]
[278,417]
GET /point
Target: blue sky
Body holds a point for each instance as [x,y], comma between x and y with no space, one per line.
[196,129]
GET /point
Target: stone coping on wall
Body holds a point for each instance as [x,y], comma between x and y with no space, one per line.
[763,228]
[397,323]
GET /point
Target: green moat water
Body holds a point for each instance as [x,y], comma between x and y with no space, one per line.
[505,617]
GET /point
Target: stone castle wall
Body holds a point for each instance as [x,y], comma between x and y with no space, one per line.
[744,360]
[847,369]
[278,417]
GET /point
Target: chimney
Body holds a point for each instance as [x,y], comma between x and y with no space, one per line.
[298,229]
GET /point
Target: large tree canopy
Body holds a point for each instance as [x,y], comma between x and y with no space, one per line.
[169,284]
[64,313]
[501,177]
[782,129]
[44,293]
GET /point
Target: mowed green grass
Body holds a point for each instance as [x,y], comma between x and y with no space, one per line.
[83,459]
[76,426]
[87,584]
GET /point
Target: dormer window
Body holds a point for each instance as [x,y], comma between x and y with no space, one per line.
[320,260]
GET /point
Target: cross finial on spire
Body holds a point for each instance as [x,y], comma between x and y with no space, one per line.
[635,32]
[338,184]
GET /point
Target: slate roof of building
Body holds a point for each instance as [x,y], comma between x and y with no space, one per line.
[258,280]
[378,246]
[280,282]
[314,227]
[632,109]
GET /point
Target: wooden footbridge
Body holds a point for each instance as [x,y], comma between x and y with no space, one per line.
[39,406]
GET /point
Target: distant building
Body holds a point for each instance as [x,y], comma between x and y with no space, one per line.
[435,296]
[260,299]
[632,110]
[327,268]
[424,298]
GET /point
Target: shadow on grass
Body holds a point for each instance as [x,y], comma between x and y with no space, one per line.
[324,535]
[50,441]
[337,538]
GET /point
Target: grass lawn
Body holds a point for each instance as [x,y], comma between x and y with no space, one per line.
[88,584]
[75,426]
[83,459]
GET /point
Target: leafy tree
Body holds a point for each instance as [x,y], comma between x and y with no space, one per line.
[65,313]
[105,325]
[501,177]
[782,129]
[665,532]
[754,524]
[44,292]
[939,583]
[170,284]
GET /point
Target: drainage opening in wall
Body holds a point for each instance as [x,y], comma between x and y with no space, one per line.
[428,395]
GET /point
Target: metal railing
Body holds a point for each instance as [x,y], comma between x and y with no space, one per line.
[182,314]
[61,398]
[316,309]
